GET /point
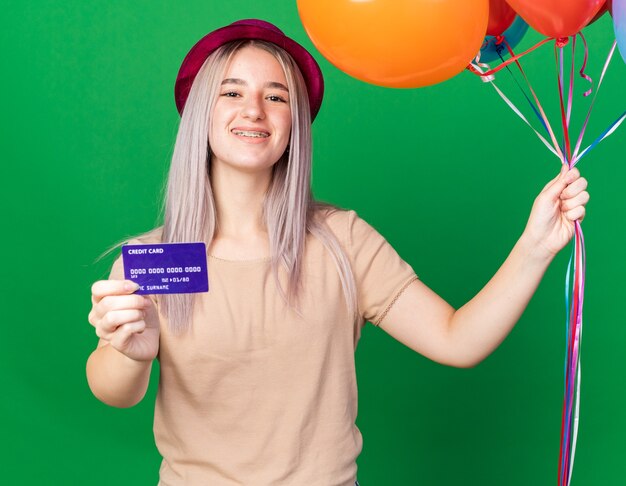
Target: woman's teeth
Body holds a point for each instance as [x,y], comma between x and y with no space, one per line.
[246,133]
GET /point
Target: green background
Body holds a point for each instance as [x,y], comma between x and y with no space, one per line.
[447,173]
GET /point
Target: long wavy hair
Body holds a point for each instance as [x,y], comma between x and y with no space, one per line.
[289,210]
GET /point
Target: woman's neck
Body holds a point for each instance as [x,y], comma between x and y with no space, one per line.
[239,196]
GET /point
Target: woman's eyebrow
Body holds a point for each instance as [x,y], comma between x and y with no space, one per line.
[233,81]
[274,84]
[270,84]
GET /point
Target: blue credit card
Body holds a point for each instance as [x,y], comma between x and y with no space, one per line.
[167,268]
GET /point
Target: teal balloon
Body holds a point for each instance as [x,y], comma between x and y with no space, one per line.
[491,50]
[619,24]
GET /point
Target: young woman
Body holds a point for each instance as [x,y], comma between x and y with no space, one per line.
[257,379]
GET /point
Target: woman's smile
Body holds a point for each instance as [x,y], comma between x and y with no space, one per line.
[257,135]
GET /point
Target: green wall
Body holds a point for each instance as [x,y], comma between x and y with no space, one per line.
[447,173]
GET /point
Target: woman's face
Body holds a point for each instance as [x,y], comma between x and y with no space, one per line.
[251,120]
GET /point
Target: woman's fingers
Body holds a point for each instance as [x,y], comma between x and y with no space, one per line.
[103,288]
[110,303]
[574,197]
[122,336]
[555,187]
[115,304]
[574,188]
[578,213]
[113,320]
[571,175]
[579,199]
[119,302]
[119,316]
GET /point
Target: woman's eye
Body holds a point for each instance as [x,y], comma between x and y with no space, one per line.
[276,98]
[230,94]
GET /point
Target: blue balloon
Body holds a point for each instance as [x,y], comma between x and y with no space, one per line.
[491,50]
[619,24]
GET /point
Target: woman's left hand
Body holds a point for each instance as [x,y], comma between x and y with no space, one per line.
[561,202]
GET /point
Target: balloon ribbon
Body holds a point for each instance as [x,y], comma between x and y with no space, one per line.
[575,276]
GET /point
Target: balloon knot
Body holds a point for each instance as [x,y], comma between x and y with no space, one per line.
[562,41]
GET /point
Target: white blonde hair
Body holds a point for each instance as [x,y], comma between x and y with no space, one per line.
[289,210]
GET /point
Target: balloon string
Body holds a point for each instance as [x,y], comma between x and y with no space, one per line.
[575,421]
[571,78]
[571,363]
[568,309]
[593,100]
[558,57]
[532,105]
[606,133]
[568,286]
[564,442]
[568,434]
[576,403]
[576,156]
[519,113]
[571,357]
[575,365]
[574,325]
[543,115]
[571,82]
[582,69]
[477,68]
[470,67]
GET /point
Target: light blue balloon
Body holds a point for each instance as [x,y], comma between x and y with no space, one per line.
[619,24]
[490,51]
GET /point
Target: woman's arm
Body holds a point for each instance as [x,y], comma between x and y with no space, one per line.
[427,324]
[118,371]
[116,379]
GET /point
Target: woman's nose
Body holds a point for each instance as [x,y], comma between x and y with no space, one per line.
[253,108]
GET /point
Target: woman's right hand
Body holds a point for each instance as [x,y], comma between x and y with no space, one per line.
[127,321]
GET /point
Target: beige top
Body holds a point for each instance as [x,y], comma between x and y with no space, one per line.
[255,395]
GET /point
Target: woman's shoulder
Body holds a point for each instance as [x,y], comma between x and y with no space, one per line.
[149,238]
[335,217]
[340,220]
[348,226]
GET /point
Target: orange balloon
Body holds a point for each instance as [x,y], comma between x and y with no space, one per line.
[397,43]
